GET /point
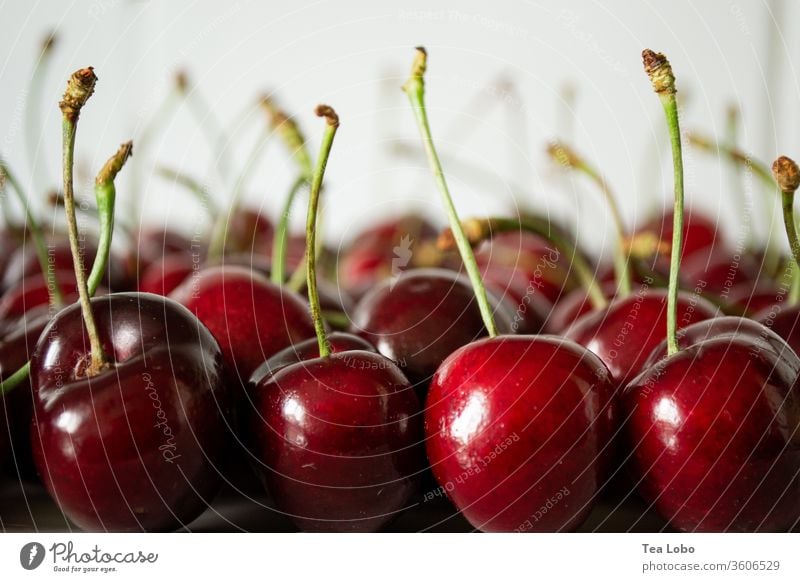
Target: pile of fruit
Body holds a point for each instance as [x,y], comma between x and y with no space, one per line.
[500,366]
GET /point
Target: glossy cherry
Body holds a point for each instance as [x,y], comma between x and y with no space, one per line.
[251,318]
[137,446]
[421,318]
[710,430]
[624,334]
[517,424]
[163,275]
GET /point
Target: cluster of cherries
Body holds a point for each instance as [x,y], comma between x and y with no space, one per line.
[526,378]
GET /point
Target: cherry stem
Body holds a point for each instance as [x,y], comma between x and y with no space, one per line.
[787,176]
[193,186]
[79,88]
[105,195]
[33,108]
[480,229]
[159,119]
[55,295]
[731,140]
[772,256]
[414,87]
[295,142]
[311,224]
[660,72]
[205,118]
[280,244]
[568,158]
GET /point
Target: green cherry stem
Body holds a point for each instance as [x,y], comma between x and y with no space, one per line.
[480,229]
[105,196]
[192,186]
[661,76]
[33,115]
[332,124]
[568,158]
[281,242]
[414,87]
[787,176]
[734,172]
[772,256]
[53,289]
[79,88]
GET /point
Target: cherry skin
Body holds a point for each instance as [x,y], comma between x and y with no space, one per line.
[719,272]
[625,333]
[712,433]
[421,318]
[24,263]
[32,292]
[700,232]
[783,320]
[163,275]
[380,251]
[338,440]
[749,300]
[517,423]
[251,318]
[529,306]
[542,265]
[573,306]
[135,447]
[153,243]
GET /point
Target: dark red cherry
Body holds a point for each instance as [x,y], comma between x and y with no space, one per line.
[163,275]
[421,318]
[712,434]
[573,306]
[251,318]
[24,263]
[625,333]
[32,292]
[337,440]
[154,242]
[719,272]
[135,447]
[518,431]
[543,266]
[383,251]
[746,299]
[701,234]
[783,320]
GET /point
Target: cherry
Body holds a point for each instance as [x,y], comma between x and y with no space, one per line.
[382,251]
[700,232]
[163,275]
[338,436]
[500,462]
[513,423]
[625,333]
[137,445]
[707,424]
[422,317]
[251,318]
[128,429]
[572,307]
[746,299]
[707,427]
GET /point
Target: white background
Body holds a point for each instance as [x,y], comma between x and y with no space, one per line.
[354,55]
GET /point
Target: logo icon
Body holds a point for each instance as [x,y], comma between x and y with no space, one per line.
[31,555]
[401,259]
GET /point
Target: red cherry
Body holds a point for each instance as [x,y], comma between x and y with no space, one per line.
[421,318]
[251,318]
[518,430]
[135,447]
[338,440]
[625,333]
[708,431]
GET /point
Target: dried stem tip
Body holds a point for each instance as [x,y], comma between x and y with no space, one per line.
[79,88]
[787,174]
[418,67]
[563,155]
[114,164]
[659,70]
[328,113]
